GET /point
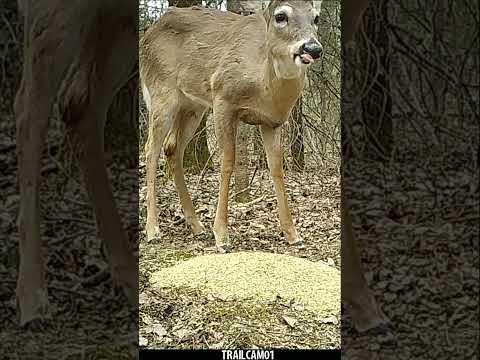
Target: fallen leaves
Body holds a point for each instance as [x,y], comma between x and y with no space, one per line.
[289,320]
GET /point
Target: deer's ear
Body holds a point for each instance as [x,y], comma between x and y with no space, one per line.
[266,15]
[267,12]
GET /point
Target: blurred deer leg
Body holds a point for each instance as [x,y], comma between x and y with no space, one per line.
[365,312]
[41,78]
[273,147]
[226,132]
[122,262]
[32,122]
[188,122]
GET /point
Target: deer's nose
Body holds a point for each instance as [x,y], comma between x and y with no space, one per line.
[313,48]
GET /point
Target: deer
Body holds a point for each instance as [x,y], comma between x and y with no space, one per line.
[246,68]
[78,54]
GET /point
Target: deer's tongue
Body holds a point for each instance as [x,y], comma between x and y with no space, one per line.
[307,58]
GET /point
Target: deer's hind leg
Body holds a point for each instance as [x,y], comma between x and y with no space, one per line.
[122,262]
[41,79]
[365,312]
[186,123]
[32,121]
[161,119]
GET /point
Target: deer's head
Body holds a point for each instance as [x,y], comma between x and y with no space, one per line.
[292,39]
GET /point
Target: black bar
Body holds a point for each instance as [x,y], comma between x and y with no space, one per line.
[245,354]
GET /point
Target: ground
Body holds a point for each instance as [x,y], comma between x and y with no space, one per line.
[422,263]
[417,222]
[89,318]
[188,318]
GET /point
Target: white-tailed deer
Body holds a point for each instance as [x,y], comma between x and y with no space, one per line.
[247,68]
[90,48]
[365,312]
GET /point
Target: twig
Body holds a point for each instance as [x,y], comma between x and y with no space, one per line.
[250,203]
[241,192]
[202,174]
[72,219]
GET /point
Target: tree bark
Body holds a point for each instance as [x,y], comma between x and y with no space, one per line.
[296,137]
[184,3]
[242,173]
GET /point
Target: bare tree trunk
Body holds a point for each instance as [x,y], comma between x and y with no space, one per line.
[259,151]
[196,153]
[296,137]
[242,173]
[184,3]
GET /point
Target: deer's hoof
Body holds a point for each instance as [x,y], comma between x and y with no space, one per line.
[370,317]
[198,228]
[222,240]
[298,242]
[374,325]
[224,249]
[126,276]
[384,334]
[32,305]
[152,232]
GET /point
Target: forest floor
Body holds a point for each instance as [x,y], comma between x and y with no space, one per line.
[422,265]
[88,317]
[417,222]
[186,317]
[421,233]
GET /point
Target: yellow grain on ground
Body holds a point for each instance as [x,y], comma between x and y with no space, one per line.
[259,275]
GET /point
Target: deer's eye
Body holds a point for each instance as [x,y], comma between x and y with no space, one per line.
[316,20]
[279,18]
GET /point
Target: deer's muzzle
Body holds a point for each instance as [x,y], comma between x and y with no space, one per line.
[312,48]
[308,52]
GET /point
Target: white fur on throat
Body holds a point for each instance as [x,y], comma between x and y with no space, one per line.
[146,97]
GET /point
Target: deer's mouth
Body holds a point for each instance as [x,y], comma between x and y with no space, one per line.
[304,58]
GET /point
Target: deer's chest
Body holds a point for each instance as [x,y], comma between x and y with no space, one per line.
[255,104]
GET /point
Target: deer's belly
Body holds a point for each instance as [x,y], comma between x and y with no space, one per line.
[197,99]
[252,117]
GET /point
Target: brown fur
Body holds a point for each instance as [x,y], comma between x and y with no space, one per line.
[72,54]
[241,66]
[184,51]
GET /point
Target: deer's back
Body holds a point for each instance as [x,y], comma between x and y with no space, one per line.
[187,48]
[78,41]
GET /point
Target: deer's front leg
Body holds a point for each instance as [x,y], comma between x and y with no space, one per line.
[32,121]
[122,262]
[272,142]
[365,312]
[225,129]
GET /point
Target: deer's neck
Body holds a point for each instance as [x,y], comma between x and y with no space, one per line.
[282,93]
